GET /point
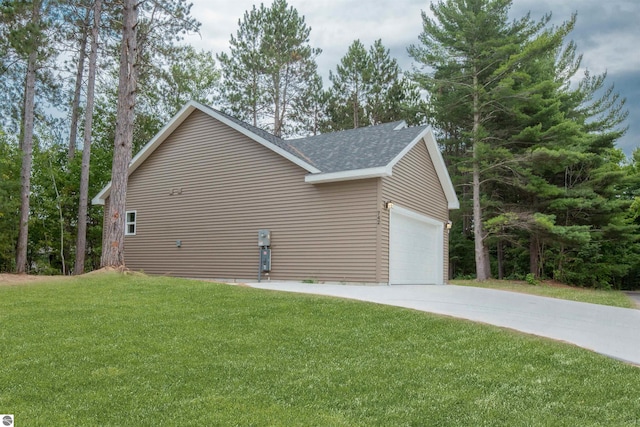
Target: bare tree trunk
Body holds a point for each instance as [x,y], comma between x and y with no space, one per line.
[81,241]
[482,261]
[534,256]
[75,107]
[356,119]
[500,260]
[27,150]
[113,244]
[255,98]
[277,131]
[60,218]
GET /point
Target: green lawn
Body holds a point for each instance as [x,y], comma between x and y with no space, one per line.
[594,296]
[111,350]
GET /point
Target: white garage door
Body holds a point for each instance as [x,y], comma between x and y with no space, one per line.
[415,249]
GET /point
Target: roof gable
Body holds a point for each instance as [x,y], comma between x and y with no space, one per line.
[339,156]
[262,137]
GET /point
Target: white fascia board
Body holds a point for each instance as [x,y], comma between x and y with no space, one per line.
[322,178]
[438,163]
[102,195]
[441,170]
[176,121]
[408,148]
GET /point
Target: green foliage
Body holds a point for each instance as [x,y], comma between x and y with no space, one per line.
[271,69]
[224,355]
[10,160]
[368,89]
[181,75]
[541,147]
[531,279]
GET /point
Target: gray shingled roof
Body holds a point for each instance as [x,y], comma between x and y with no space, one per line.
[362,148]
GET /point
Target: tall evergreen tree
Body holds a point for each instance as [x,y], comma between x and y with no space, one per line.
[469,49]
[149,27]
[350,88]
[81,239]
[368,88]
[113,245]
[24,26]
[386,86]
[270,68]
[82,24]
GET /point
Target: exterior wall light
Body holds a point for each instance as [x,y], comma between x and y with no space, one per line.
[388,205]
[449,225]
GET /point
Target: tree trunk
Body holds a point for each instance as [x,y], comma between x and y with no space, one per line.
[27,150]
[75,107]
[277,125]
[81,241]
[356,119]
[482,262]
[500,260]
[534,256]
[113,245]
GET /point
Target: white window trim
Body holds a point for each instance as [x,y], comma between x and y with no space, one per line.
[127,223]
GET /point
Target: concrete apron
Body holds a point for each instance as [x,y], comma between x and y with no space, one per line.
[611,331]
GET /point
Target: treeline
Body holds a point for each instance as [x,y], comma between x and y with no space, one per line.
[544,191]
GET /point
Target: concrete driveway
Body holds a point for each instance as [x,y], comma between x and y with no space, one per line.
[611,331]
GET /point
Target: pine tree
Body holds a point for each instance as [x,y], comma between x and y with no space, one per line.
[81,239]
[270,68]
[368,88]
[113,245]
[350,88]
[386,95]
[24,29]
[149,29]
[472,50]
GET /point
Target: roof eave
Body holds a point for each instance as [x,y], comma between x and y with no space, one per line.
[322,178]
[100,198]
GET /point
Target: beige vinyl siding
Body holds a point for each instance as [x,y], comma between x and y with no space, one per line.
[414,185]
[213,188]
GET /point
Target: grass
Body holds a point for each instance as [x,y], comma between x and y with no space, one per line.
[594,296]
[113,350]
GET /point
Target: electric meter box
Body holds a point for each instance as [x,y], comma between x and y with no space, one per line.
[265,260]
[264,238]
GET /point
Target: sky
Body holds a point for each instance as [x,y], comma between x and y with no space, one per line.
[607,35]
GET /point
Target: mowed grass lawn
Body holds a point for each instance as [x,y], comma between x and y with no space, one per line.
[572,293]
[113,350]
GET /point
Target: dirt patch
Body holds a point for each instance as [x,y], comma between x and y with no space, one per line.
[21,279]
[122,270]
[25,279]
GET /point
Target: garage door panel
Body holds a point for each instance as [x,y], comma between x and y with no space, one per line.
[415,249]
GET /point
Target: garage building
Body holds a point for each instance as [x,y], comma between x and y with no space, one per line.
[368,205]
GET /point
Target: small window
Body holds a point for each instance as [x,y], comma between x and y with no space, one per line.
[130,223]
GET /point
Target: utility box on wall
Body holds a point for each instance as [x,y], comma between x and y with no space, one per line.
[265,260]
[264,238]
